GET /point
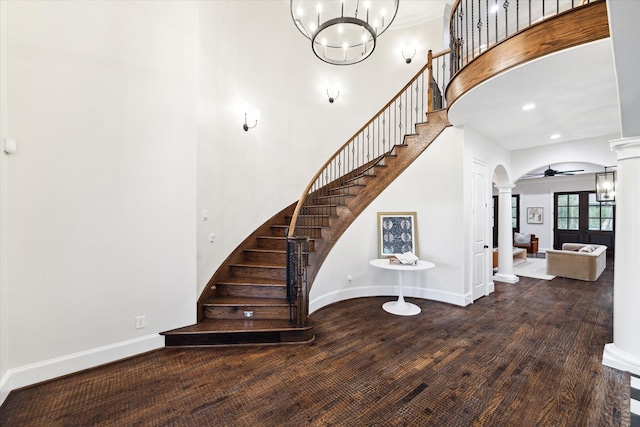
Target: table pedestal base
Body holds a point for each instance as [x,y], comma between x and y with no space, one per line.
[401,308]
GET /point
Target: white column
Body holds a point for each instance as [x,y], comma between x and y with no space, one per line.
[505,236]
[624,352]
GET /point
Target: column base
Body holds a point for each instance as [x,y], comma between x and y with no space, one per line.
[506,278]
[615,358]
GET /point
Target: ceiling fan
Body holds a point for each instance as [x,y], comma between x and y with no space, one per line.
[552,172]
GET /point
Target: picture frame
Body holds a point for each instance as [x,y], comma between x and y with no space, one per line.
[535,215]
[397,233]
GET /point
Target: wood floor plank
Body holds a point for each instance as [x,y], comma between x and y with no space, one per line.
[527,355]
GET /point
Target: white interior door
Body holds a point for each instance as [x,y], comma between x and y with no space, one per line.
[479,190]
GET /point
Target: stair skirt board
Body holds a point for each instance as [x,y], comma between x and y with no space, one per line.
[251,278]
[248,332]
[317,303]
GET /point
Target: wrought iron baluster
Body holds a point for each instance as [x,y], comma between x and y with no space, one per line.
[488,24]
[496,20]
[400,125]
[466,33]
[416,102]
[506,18]
[384,120]
[473,42]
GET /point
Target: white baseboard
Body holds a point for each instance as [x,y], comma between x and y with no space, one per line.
[380,291]
[615,358]
[49,369]
[491,288]
[506,278]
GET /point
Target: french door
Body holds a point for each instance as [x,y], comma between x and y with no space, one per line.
[579,218]
[515,216]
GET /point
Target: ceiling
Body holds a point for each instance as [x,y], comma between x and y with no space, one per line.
[413,12]
[579,93]
[574,92]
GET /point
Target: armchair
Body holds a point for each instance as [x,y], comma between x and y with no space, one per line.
[526,241]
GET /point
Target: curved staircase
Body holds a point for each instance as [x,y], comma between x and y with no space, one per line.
[245,301]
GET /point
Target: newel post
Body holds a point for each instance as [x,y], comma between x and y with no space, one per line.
[297,283]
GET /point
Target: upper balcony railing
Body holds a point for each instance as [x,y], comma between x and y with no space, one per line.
[478,25]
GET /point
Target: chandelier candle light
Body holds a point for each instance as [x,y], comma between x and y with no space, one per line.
[341,31]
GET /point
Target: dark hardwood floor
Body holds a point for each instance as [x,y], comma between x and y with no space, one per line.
[527,355]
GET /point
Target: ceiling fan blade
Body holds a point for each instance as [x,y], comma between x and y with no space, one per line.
[569,172]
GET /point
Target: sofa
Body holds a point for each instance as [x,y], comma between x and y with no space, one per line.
[579,261]
[526,241]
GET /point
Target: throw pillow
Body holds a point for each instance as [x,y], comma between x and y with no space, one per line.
[522,238]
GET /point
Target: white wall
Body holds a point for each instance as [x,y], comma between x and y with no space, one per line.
[594,150]
[127,127]
[591,154]
[98,218]
[4,303]
[538,192]
[432,186]
[246,177]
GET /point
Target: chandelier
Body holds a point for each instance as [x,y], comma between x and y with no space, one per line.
[343,32]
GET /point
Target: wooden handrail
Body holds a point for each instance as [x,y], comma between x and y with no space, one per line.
[474,46]
[313,180]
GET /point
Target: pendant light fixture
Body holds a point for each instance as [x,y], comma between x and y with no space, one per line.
[343,32]
[606,185]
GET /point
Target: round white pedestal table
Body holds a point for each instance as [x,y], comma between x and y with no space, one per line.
[400,306]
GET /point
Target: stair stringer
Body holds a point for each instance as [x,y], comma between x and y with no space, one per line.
[384,174]
[414,145]
[237,256]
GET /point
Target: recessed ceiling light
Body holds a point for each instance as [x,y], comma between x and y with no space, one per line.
[554,136]
[527,107]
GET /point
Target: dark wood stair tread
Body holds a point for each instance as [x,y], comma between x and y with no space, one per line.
[235,326]
[267,251]
[243,301]
[251,281]
[251,264]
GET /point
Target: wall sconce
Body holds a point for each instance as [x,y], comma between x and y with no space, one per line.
[606,185]
[253,116]
[408,56]
[331,91]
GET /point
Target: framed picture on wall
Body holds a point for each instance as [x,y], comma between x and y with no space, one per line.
[397,232]
[534,215]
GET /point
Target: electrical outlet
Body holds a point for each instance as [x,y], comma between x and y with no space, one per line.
[140,322]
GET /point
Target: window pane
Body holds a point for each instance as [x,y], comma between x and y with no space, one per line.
[574,212]
[592,199]
[574,200]
[573,224]
[562,200]
[562,223]
[607,224]
[607,212]
[562,212]
[594,211]
[594,224]
[514,223]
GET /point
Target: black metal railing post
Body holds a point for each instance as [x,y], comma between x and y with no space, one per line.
[473,21]
[297,285]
